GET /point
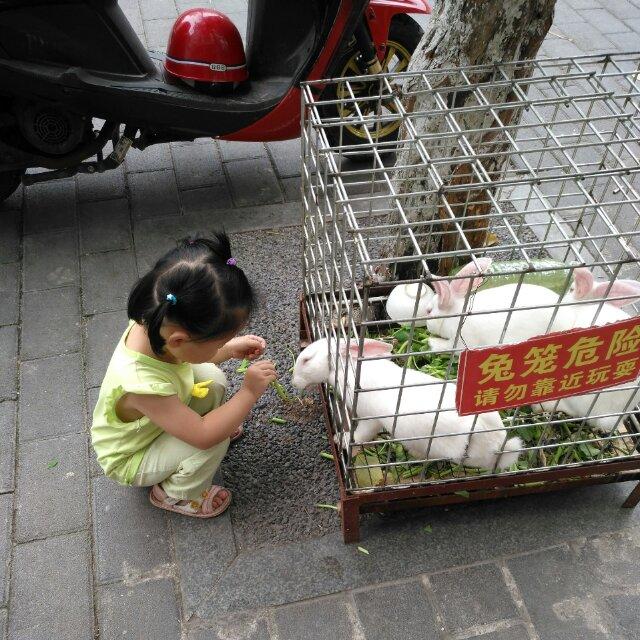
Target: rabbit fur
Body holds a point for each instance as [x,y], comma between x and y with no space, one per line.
[315,364]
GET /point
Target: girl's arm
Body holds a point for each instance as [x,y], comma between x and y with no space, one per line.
[203,432]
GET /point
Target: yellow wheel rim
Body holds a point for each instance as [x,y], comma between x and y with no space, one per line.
[396,59]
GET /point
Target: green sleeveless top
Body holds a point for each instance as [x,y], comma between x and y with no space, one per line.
[120,446]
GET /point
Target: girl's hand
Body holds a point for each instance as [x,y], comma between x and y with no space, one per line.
[250,347]
[258,377]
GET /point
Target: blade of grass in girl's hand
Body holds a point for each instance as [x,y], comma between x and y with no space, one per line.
[244,365]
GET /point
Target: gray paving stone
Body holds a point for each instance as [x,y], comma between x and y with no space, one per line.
[292,192]
[9,288]
[319,566]
[320,620]
[145,611]
[6,502]
[51,491]
[130,534]
[9,358]
[604,21]
[156,9]
[107,279]
[98,186]
[473,596]
[253,182]
[406,612]
[585,4]
[50,260]
[634,25]
[232,150]
[153,158]
[51,398]
[557,48]
[211,545]
[10,236]
[205,200]
[3,624]
[50,205]
[612,559]
[286,156]
[516,632]
[105,226]
[589,38]
[92,397]
[157,33]
[198,165]
[626,42]
[623,9]
[626,612]
[50,322]
[247,627]
[103,332]
[51,594]
[154,194]
[557,591]
[7,445]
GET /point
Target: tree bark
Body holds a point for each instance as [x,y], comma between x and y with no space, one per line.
[463,33]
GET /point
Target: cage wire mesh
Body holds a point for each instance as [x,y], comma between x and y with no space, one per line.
[533,164]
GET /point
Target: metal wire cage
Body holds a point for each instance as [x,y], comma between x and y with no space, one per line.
[533,165]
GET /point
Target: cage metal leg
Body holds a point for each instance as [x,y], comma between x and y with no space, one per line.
[633,498]
[350,514]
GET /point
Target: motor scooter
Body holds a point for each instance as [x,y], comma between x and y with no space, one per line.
[74,76]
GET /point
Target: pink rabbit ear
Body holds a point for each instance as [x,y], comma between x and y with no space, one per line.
[461,287]
[370,349]
[628,288]
[583,283]
[443,291]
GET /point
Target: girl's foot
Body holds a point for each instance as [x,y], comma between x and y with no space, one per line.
[237,434]
[215,501]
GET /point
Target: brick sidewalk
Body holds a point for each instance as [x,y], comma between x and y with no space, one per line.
[81,557]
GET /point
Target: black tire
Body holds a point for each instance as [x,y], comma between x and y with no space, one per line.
[406,33]
[9,182]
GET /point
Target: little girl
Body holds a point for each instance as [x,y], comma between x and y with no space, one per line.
[160,420]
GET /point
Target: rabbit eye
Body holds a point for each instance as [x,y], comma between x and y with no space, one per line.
[429,310]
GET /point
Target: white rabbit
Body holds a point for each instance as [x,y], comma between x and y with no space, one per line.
[482,329]
[614,400]
[316,364]
[402,302]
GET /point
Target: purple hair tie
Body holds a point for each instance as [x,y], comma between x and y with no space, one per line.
[232,262]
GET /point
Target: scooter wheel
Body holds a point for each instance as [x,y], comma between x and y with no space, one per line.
[9,182]
[404,35]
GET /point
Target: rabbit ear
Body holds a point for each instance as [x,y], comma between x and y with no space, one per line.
[583,283]
[371,348]
[619,288]
[461,287]
[443,291]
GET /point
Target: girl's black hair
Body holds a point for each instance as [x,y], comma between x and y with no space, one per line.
[212,298]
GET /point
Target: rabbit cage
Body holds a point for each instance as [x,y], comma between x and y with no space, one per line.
[526,176]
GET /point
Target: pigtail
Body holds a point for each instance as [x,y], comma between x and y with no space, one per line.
[154,324]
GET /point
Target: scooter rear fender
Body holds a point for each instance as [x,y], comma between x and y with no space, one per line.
[380,13]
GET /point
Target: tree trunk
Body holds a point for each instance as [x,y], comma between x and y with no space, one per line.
[463,33]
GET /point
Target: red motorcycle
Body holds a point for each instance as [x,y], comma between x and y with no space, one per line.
[65,63]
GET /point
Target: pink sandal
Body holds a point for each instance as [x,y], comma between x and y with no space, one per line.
[159,498]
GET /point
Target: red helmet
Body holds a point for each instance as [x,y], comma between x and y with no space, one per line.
[205,45]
